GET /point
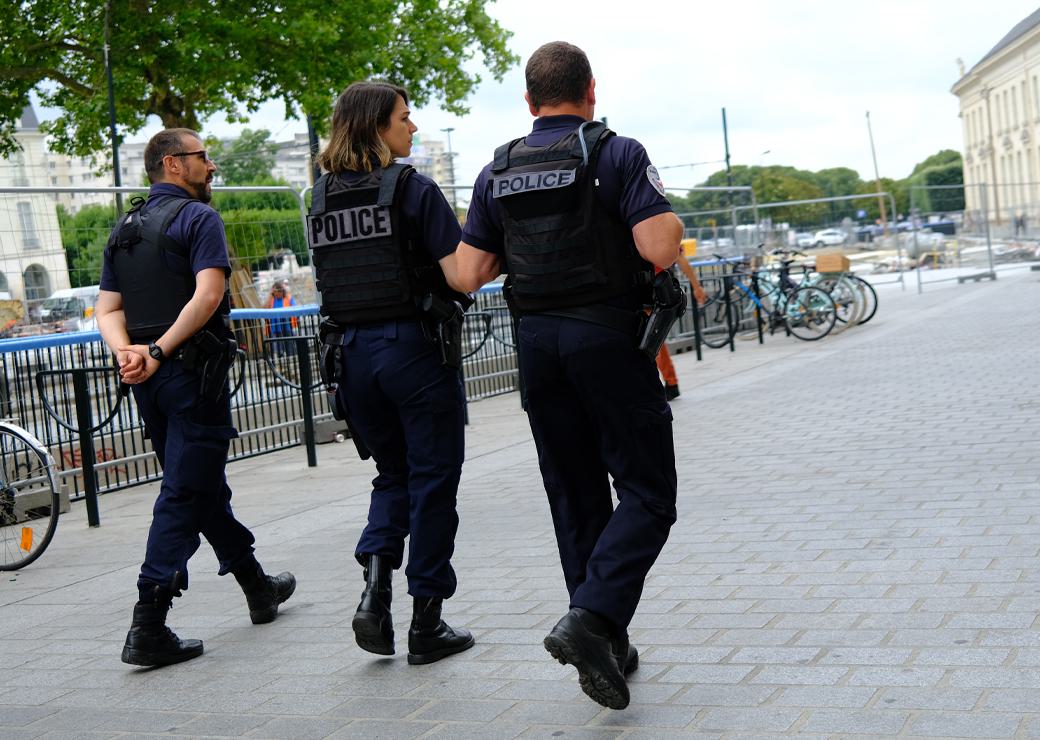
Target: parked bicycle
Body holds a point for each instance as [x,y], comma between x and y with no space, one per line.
[805,311]
[29,499]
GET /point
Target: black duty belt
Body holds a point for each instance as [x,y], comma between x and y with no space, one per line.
[628,322]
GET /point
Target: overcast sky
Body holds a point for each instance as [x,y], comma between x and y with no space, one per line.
[796,79]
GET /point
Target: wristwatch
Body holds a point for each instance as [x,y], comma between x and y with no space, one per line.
[156,352]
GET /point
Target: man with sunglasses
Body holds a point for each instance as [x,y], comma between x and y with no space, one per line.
[164,311]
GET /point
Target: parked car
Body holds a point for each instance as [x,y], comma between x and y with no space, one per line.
[71,308]
[803,240]
[829,238]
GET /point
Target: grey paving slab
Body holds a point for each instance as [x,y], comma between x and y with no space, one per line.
[878,577]
[875,723]
[952,724]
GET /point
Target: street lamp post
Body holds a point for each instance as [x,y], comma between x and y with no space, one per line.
[116,174]
[451,167]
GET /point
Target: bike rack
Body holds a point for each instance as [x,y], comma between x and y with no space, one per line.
[85,426]
[305,386]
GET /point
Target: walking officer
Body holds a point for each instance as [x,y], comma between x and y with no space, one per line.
[578,218]
[381,237]
[164,311]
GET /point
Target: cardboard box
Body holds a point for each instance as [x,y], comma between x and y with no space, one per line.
[689,247]
[832,263]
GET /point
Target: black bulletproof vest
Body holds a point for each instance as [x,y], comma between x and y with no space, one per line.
[367,269]
[562,247]
[153,295]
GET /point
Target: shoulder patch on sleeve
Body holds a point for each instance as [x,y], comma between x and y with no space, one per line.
[655,179]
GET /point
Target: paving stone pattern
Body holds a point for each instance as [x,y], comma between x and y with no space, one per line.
[856,555]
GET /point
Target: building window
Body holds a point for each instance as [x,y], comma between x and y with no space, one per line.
[1036,97]
[37,283]
[1021,177]
[28,225]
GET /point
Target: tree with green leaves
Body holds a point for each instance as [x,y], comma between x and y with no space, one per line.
[247,160]
[84,236]
[942,158]
[185,61]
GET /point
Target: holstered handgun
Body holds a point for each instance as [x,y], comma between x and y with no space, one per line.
[445,319]
[211,358]
[669,305]
[330,368]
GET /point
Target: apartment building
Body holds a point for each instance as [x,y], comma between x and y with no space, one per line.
[32,259]
[1000,114]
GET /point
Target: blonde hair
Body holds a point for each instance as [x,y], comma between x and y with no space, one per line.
[360,112]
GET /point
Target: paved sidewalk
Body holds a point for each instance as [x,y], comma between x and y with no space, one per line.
[856,554]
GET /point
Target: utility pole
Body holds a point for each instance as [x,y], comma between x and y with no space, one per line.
[729,175]
[725,140]
[312,137]
[451,168]
[116,174]
[877,180]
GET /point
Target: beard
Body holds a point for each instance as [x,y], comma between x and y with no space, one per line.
[201,190]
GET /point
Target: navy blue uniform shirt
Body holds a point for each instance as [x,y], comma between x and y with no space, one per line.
[625,188]
[197,227]
[428,218]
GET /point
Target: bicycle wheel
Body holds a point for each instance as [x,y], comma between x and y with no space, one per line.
[29,504]
[809,313]
[846,300]
[712,320]
[870,296]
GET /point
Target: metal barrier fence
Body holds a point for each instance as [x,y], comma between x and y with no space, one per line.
[266,408]
[972,244]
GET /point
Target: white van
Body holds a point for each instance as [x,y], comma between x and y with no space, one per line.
[73,308]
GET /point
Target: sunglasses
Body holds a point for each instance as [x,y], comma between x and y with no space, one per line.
[200,152]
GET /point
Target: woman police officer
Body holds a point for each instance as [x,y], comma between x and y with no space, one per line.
[382,236]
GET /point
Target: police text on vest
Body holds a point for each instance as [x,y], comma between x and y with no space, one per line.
[348,225]
[525,182]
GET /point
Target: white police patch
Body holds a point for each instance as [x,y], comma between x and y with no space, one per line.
[655,179]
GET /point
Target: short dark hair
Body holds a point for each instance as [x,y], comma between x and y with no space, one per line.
[354,142]
[167,141]
[556,73]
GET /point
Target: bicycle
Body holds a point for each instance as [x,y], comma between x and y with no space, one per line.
[806,312]
[29,498]
[855,297]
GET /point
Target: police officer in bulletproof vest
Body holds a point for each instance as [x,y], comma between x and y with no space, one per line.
[578,218]
[164,311]
[382,237]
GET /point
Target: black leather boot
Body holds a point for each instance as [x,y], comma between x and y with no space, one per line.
[263,592]
[429,637]
[373,625]
[150,642]
[582,639]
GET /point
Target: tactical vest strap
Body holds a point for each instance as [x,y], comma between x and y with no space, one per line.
[168,210]
[585,143]
[589,134]
[501,161]
[318,195]
[388,186]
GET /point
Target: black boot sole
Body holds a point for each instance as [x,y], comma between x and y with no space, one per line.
[268,613]
[369,635]
[597,683]
[434,655]
[144,658]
